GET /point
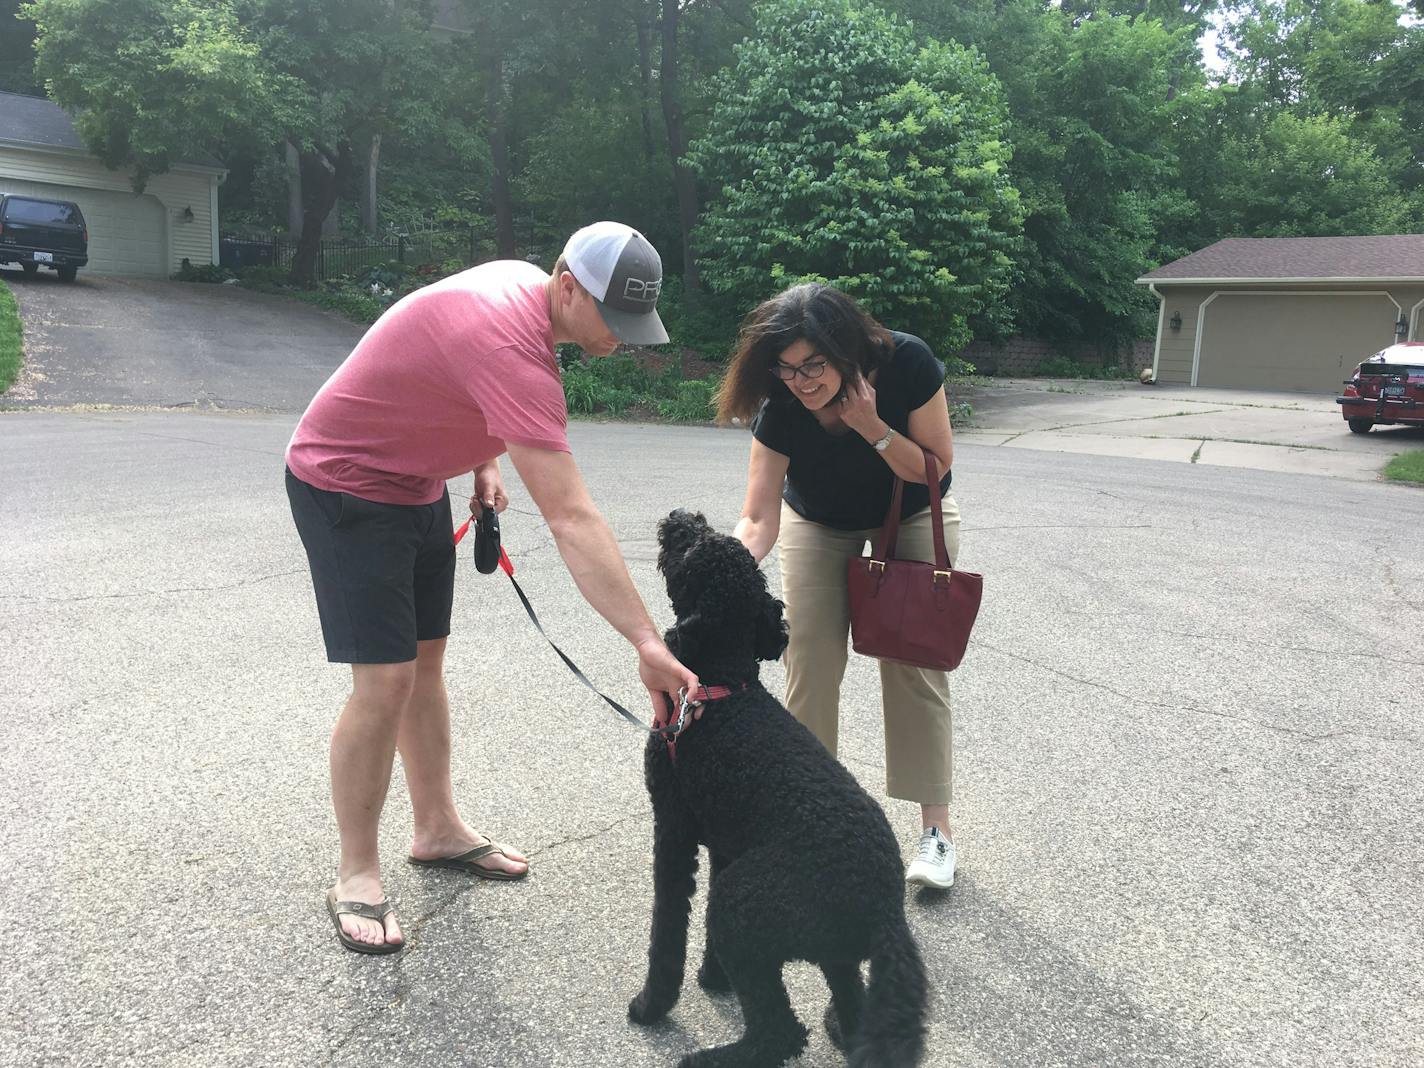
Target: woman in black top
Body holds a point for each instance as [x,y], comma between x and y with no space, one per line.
[841,407]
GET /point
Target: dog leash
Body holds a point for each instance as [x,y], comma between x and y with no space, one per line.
[686,702]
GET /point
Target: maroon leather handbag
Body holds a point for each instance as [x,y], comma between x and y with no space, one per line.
[906,610]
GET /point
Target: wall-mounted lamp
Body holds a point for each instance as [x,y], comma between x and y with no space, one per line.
[188,214]
[1176,321]
[1401,328]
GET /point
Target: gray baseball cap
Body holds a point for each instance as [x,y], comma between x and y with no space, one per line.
[624,274]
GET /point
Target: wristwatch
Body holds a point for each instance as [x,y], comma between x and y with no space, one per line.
[884,443]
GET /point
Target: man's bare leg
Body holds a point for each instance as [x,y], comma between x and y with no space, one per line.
[424,741]
[363,748]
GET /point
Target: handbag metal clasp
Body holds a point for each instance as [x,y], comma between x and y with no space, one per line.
[877,563]
[948,576]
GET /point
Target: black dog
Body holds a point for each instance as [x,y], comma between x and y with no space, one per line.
[804,864]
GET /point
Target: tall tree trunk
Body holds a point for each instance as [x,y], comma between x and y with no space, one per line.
[497,112]
[499,157]
[683,178]
[645,74]
[370,218]
[322,178]
[294,189]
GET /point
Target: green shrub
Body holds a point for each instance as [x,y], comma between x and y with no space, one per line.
[707,326]
[202,272]
[620,385]
[361,307]
[1065,367]
[691,401]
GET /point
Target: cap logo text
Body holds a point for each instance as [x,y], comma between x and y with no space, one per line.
[639,290]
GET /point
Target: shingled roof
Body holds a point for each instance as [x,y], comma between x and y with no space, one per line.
[1391,258]
[33,121]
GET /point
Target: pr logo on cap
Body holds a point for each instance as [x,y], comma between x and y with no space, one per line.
[637,289]
[624,274]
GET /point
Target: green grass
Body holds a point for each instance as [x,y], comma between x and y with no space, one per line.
[9,338]
[1406,467]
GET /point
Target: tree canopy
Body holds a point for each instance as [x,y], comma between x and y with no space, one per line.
[965,167]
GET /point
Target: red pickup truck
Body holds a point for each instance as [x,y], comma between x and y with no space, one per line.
[1386,389]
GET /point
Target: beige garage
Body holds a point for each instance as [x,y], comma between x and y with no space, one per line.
[146,234]
[127,231]
[1285,313]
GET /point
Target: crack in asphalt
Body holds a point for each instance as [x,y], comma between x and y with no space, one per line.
[1179,705]
[78,598]
[1216,638]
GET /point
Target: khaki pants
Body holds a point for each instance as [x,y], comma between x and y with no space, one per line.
[918,739]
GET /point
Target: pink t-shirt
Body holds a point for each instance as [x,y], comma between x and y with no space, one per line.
[437,386]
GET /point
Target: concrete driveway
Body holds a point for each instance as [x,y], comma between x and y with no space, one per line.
[157,344]
[1301,433]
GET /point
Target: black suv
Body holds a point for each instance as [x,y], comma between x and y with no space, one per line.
[39,233]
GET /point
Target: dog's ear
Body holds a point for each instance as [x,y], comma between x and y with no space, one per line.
[771,633]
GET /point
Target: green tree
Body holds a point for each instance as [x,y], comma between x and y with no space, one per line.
[1356,60]
[1306,177]
[154,80]
[1095,100]
[840,150]
[17,44]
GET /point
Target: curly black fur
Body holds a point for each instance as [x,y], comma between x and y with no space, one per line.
[803,863]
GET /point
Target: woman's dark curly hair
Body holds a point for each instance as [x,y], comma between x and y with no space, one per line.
[836,326]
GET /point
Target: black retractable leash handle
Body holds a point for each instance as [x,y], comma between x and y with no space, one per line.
[487,541]
[489,555]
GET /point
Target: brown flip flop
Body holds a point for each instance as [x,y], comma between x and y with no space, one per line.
[379,912]
[469,863]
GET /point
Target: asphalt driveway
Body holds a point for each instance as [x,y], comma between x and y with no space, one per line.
[158,344]
[1187,790]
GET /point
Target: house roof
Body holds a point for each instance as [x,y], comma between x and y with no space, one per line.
[37,122]
[1391,257]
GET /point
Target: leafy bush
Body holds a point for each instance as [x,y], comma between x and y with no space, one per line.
[620,385]
[707,326]
[1066,367]
[841,151]
[691,401]
[202,272]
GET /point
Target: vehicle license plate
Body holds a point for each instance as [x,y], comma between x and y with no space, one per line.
[44,257]
[1394,391]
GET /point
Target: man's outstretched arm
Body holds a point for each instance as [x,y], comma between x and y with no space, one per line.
[591,554]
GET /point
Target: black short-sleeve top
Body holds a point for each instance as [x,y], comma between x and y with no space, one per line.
[836,478]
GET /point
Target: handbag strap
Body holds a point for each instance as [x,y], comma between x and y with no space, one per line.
[891,531]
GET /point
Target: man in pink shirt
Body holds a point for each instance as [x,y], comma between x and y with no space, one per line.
[447,380]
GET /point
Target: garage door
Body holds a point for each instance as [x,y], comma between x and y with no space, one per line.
[126,230]
[1304,341]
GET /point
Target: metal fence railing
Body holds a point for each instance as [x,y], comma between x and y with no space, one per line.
[348,255]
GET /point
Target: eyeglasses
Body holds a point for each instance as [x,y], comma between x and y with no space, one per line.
[809,369]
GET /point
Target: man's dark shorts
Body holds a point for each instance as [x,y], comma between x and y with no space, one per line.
[384,573]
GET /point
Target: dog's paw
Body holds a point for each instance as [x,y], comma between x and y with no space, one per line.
[648,1008]
[711,977]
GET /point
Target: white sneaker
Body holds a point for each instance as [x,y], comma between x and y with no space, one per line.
[935,864]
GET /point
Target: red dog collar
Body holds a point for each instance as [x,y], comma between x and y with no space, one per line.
[699,696]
